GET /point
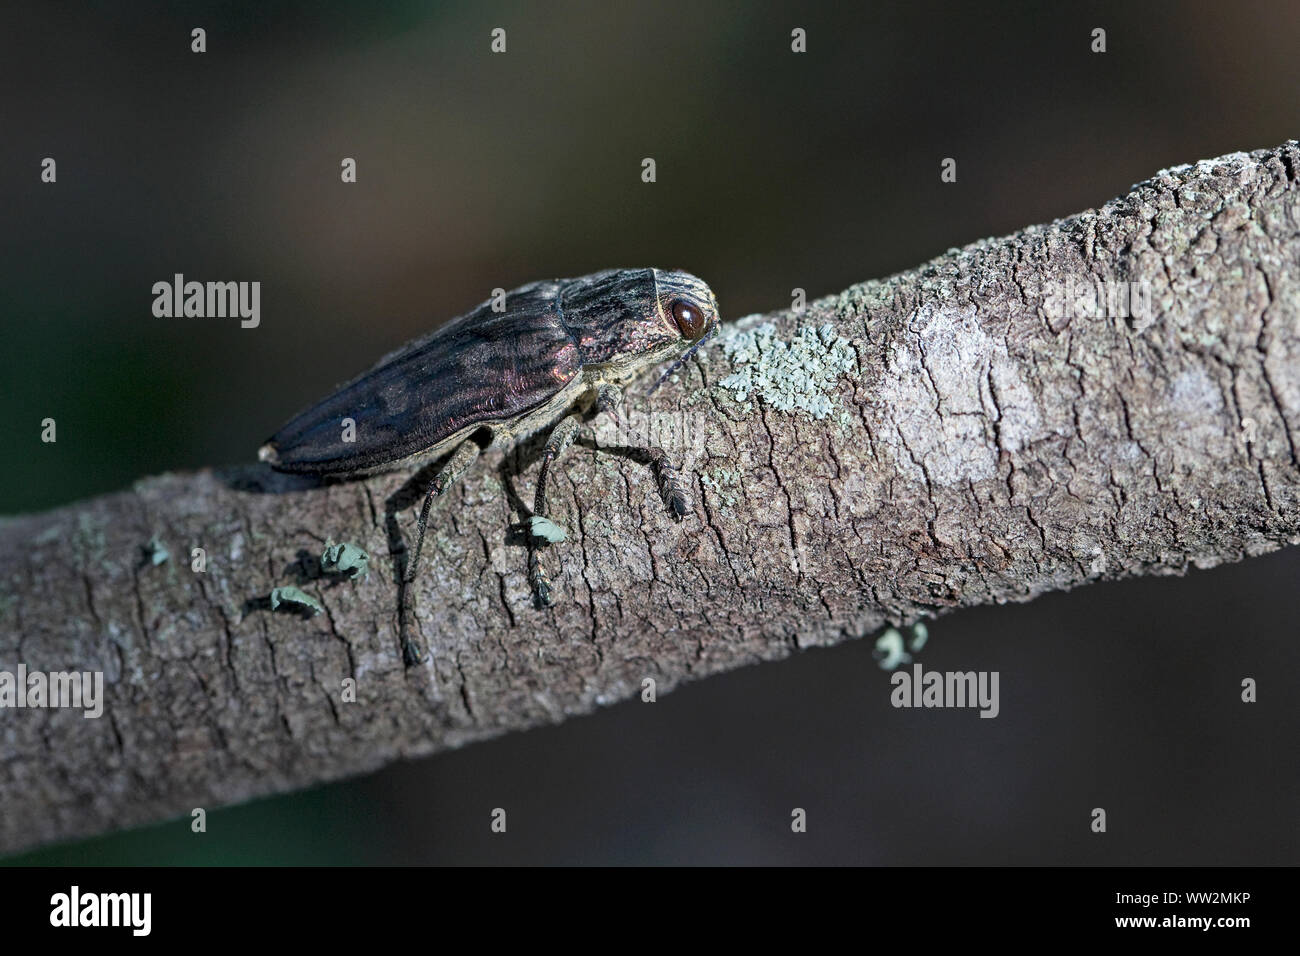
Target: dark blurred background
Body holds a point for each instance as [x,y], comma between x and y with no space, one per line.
[775,170]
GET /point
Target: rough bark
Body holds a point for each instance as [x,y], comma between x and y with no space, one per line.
[979,447]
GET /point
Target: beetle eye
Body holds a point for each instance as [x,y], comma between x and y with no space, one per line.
[689,319]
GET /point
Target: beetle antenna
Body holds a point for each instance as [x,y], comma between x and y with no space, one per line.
[684,359]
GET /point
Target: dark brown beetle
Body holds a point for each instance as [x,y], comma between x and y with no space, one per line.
[491,376]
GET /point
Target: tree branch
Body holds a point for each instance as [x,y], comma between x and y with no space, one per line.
[980,441]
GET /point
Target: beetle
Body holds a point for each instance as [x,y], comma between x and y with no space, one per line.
[492,376]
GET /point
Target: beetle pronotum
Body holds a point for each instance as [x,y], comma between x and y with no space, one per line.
[488,377]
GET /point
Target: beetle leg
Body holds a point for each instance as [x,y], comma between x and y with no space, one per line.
[561,435]
[456,466]
[608,398]
[670,487]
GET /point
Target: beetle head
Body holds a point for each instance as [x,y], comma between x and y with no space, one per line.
[694,310]
[686,303]
[628,320]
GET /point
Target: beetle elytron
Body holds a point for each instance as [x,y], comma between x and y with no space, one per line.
[488,377]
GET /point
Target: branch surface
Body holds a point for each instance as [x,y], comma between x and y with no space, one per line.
[946,437]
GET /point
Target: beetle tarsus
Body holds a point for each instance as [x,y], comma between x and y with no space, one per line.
[670,486]
[608,399]
[410,653]
[538,579]
[407,634]
[679,505]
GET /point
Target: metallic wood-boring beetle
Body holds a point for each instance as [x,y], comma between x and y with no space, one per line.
[489,377]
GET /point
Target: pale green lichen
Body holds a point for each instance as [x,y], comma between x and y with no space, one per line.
[546,529]
[344,558]
[893,650]
[155,552]
[889,649]
[724,483]
[297,597]
[795,376]
[920,634]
